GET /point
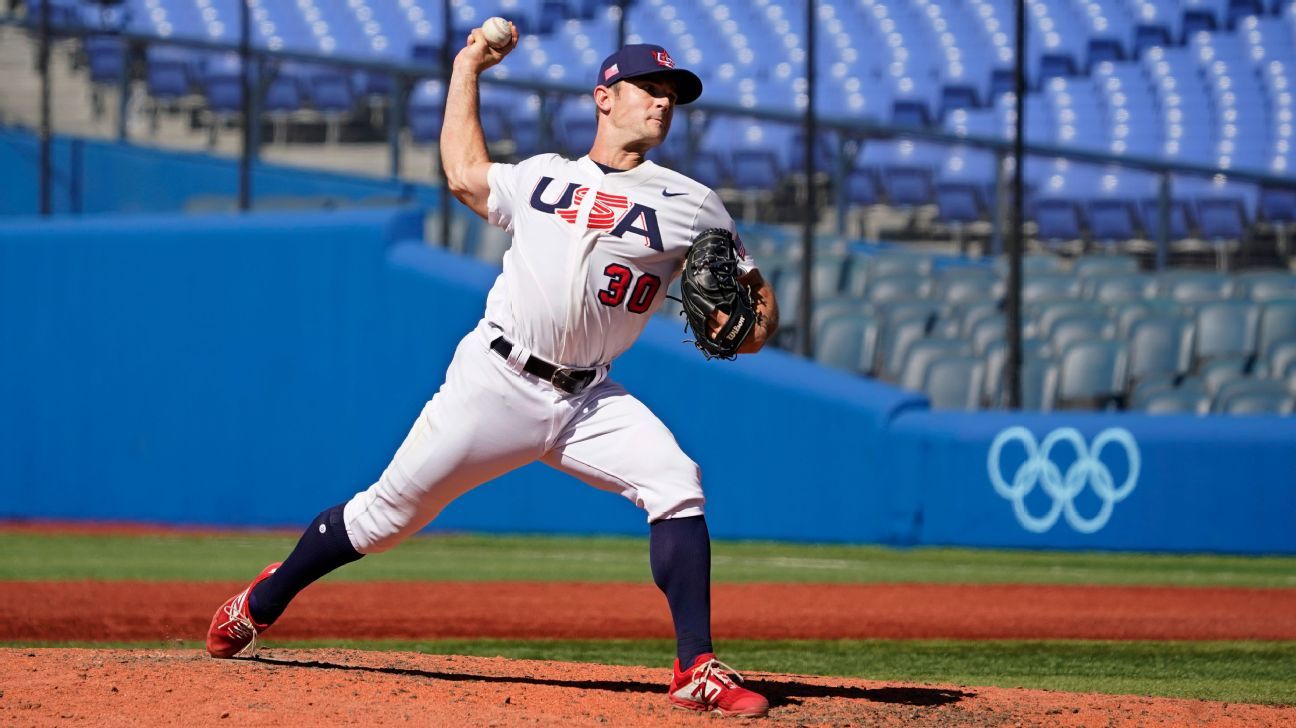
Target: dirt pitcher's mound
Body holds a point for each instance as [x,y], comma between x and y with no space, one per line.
[337,687]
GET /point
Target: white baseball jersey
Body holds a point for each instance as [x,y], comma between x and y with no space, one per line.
[593,253]
[592,256]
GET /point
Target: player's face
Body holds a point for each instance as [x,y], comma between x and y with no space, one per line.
[644,107]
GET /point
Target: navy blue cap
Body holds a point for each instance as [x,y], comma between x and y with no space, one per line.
[642,59]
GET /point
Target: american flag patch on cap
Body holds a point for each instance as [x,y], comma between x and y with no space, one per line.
[611,71]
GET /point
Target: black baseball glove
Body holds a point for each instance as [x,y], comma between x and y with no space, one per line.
[710,284]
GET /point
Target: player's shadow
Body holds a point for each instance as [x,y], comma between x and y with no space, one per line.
[782,692]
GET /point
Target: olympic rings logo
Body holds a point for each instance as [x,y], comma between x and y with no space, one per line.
[1087,470]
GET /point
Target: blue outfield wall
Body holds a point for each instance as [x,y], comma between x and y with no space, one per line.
[98,176]
[253,370]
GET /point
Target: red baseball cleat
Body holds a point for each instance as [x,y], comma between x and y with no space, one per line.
[708,686]
[232,631]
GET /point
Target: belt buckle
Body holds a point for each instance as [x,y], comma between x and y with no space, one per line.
[563,379]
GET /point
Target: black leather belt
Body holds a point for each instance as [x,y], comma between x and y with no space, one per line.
[571,381]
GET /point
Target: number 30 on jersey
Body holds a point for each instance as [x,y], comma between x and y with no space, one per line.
[621,280]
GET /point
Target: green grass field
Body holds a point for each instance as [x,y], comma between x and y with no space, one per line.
[1260,672]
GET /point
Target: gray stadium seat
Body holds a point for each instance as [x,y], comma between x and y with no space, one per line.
[1089,266]
[865,269]
[1190,388]
[1032,263]
[827,308]
[1190,286]
[988,330]
[1114,288]
[1072,329]
[1264,285]
[1221,370]
[1254,397]
[891,287]
[1172,402]
[847,341]
[1224,328]
[1277,323]
[959,285]
[1038,375]
[954,382]
[1129,313]
[902,325]
[971,314]
[1048,315]
[1159,345]
[921,354]
[1091,374]
[1282,358]
[1046,286]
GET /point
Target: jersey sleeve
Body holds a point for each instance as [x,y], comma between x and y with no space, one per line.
[502,179]
[712,214]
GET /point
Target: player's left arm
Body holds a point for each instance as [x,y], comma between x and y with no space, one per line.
[767,313]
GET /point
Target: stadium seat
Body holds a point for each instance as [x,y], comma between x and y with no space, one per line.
[1224,369]
[1046,316]
[1092,374]
[1225,328]
[1159,345]
[902,326]
[920,356]
[425,111]
[1118,288]
[1172,402]
[106,58]
[848,341]
[1277,323]
[885,288]
[954,382]
[959,285]
[987,331]
[1047,286]
[1058,221]
[1254,397]
[1282,359]
[1069,330]
[1264,285]
[1039,375]
[1193,286]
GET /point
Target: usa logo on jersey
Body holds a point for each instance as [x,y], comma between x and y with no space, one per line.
[614,213]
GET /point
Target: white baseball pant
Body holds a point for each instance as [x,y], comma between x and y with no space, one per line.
[490,417]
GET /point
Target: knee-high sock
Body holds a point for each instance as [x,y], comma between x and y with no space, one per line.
[679,552]
[322,548]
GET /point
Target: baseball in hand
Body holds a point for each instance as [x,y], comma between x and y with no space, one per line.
[498,32]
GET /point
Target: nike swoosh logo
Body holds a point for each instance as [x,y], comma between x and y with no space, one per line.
[672,194]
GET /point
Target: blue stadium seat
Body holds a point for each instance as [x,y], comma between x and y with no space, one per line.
[106,57]
[426,110]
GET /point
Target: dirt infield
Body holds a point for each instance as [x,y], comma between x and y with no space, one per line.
[91,610]
[337,687]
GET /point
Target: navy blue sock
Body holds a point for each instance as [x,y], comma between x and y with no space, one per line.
[322,548]
[679,552]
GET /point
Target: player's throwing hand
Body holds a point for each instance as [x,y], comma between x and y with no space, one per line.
[480,54]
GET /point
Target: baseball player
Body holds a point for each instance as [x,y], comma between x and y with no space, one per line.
[596,242]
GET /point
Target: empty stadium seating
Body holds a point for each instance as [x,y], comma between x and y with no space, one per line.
[1200,82]
[1099,333]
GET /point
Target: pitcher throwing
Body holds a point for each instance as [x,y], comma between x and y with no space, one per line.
[596,242]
